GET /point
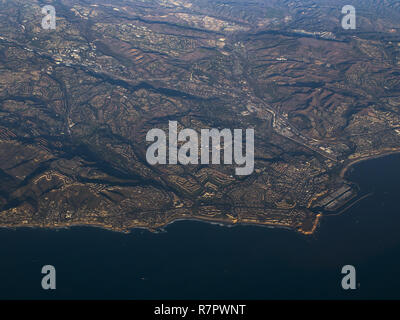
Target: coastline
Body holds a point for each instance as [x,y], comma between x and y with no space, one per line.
[314,227]
[366,158]
[256,258]
[159,227]
[217,221]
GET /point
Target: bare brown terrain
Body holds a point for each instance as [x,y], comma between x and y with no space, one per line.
[76,104]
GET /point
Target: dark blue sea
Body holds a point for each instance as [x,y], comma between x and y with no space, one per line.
[194,260]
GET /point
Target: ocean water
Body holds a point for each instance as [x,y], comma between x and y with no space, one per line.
[195,260]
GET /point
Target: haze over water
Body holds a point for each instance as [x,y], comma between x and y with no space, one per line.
[199,260]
